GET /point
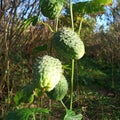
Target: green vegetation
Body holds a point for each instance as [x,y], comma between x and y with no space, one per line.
[58,68]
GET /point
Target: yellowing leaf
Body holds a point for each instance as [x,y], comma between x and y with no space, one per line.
[91,7]
[103,2]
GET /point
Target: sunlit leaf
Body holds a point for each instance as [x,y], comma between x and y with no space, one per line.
[103,2]
[70,115]
[87,8]
[91,7]
[67,67]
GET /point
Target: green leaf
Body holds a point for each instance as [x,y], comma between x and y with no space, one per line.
[25,95]
[87,8]
[67,67]
[70,115]
[32,20]
[24,114]
[91,7]
[39,49]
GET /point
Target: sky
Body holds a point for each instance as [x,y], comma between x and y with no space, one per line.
[103,21]
[106,19]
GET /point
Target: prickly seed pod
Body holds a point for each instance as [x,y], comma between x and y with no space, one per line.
[60,90]
[51,8]
[68,43]
[47,72]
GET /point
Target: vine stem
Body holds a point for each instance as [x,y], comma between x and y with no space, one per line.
[71,14]
[34,117]
[80,26]
[71,87]
[56,24]
[63,105]
[72,74]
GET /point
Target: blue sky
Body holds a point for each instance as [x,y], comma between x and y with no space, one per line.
[106,19]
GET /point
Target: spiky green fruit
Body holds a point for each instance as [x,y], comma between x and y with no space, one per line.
[68,43]
[60,90]
[47,72]
[51,8]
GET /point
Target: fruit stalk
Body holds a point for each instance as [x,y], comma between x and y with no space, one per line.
[71,14]
[72,74]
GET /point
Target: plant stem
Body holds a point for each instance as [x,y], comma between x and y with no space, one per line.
[63,105]
[80,26]
[72,74]
[71,14]
[71,87]
[48,26]
[56,24]
[34,117]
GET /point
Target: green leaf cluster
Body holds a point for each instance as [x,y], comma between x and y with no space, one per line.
[25,113]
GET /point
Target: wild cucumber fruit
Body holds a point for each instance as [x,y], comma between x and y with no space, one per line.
[60,90]
[68,43]
[47,72]
[51,8]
